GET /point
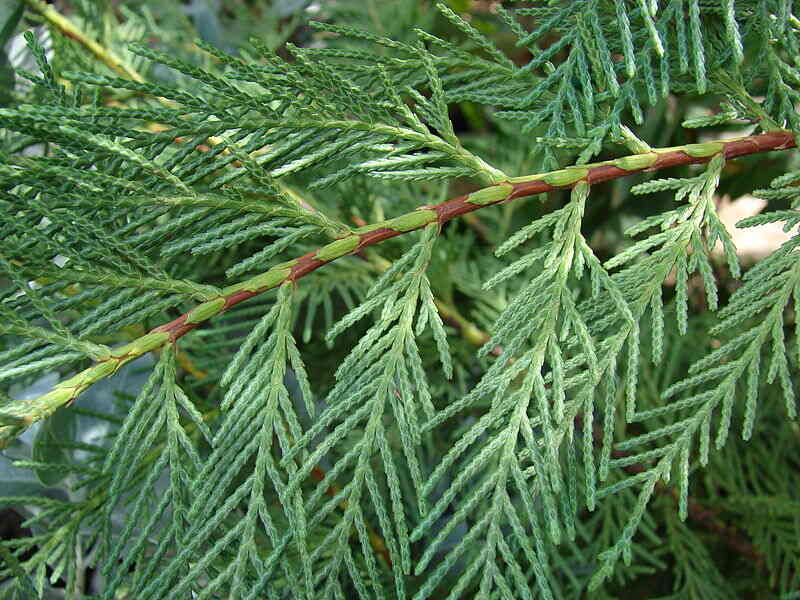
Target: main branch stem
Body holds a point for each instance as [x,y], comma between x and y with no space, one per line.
[17,418]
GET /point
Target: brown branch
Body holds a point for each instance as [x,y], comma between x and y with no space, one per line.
[450,209]
[703,516]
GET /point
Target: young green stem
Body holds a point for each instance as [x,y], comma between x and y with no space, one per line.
[103,54]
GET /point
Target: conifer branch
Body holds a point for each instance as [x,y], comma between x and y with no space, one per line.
[15,419]
[133,194]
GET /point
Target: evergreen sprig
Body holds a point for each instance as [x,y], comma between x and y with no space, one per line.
[503,403]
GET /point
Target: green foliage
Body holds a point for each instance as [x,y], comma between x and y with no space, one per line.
[352,393]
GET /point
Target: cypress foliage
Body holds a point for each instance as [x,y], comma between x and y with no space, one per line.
[408,300]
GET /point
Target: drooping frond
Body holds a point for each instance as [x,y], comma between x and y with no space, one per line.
[226,528]
[702,404]
[158,439]
[523,424]
[374,415]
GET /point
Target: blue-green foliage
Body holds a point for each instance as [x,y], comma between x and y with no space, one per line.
[344,437]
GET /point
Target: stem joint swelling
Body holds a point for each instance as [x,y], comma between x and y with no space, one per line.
[13,421]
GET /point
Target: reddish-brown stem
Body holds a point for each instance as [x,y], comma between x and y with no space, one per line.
[455,207]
